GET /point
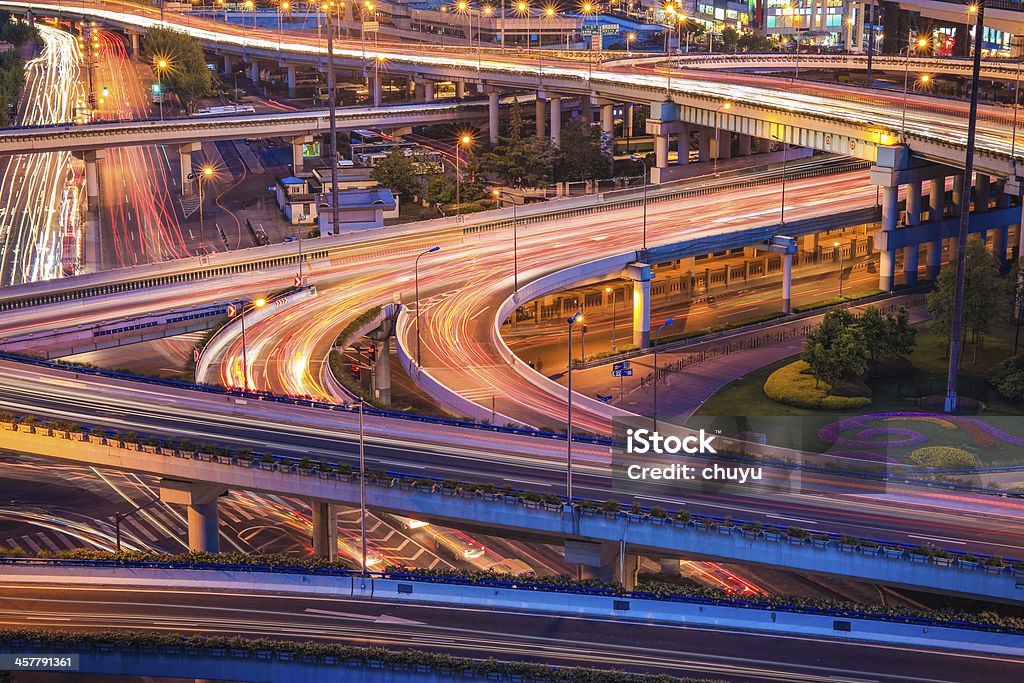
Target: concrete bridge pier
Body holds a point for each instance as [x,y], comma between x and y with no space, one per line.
[428,90]
[92,175]
[325,530]
[683,146]
[720,142]
[493,116]
[373,86]
[201,500]
[254,70]
[936,212]
[743,145]
[911,253]
[556,119]
[460,89]
[660,155]
[134,38]
[703,144]
[1000,235]
[229,64]
[607,561]
[541,116]
[586,109]
[297,144]
[382,369]
[607,121]
[185,153]
[291,81]
[787,283]
[887,258]
[640,274]
[669,566]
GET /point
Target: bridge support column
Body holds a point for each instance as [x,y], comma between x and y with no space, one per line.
[201,499]
[887,258]
[556,120]
[92,177]
[587,109]
[185,153]
[669,566]
[373,86]
[661,151]
[325,530]
[858,34]
[291,81]
[493,117]
[229,64]
[460,89]
[627,121]
[297,144]
[254,71]
[721,143]
[982,193]
[787,283]
[135,43]
[911,253]
[640,274]
[541,115]
[382,371]
[608,561]
[428,91]
[936,211]
[703,144]
[743,145]
[683,147]
[608,122]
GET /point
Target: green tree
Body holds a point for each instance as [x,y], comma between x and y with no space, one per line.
[440,190]
[583,154]
[397,172]
[186,75]
[730,39]
[886,336]
[755,42]
[982,288]
[12,80]
[836,348]
[521,161]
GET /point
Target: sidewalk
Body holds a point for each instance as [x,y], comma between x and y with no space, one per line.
[692,375]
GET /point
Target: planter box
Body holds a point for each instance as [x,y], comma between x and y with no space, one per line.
[819,543]
[723,529]
[967,565]
[893,553]
[919,559]
[992,570]
[553,507]
[747,533]
[847,547]
[943,561]
[866,550]
[795,540]
[771,536]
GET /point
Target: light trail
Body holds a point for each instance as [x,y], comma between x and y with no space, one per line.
[33,186]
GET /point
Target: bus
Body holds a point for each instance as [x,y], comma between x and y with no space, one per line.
[226,110]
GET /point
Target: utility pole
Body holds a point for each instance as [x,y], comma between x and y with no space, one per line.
[333,114]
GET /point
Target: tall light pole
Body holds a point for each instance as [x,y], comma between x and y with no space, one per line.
[657,333]
[362,489]
[283,7]
[578,316]
[609,290]
[258,303]
[839,248]
[523,8]
[416,271]
[332,112]
[467,140]
[161,65]
[965,205]
[871,39]
[782,206]
[919,43]
[718,139]
[515,240]
[643,162]
[199,176]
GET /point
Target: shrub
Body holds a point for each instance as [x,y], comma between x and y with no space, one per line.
[943,458]
[611,506]
[1007,378]
[793,386]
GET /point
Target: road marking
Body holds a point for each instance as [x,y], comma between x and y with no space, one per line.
[937,538]
[402,464]
[528,481]
[792,519]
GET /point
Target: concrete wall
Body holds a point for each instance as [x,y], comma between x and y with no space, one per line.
[643,534]
[540,602]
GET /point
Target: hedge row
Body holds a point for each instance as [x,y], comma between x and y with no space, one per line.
[792,386]
[338,654]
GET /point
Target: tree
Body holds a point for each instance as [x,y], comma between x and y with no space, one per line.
[397,172]
[186,74]
[12,79]
[755,42]
[730,39]
[982,289]
[836,348]
[886,336]
[583,154]
[521,162]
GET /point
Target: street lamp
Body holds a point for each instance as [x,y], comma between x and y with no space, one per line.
[578,316]
[782,206]
[160,65]
[630,37]
[609,290]
[199,175]
[643,161]
[839,248]
[657,333]
[515,239]
[258,303]
[718,140]
[362,485]
[118,517]
[523,8]
[416,270]
[464,140]
[249,4]
[919,44]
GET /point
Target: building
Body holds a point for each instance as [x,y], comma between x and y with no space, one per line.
[817,22]
[296,201]
[360,209]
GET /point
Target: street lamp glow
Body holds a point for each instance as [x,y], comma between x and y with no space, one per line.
[972,9]
[208,171]
[463,5]
[465,139]
[522,7]
[924,79]
[259,303]
[549,11]
[488,10]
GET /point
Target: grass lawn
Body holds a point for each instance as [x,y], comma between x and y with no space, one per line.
[745,397]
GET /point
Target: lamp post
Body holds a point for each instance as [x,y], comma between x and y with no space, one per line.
[782,206]
[630,37]
[283,7]
[657,333]
[839,248]
[118,517]
[919,43]
[258,303]
[161,65]
[643,161]
[871,40]
[515,240]
[609,290]
[206,172]
[362,488]
[416,271]
[718,140]
[332,112]
[578,316]
[464,139]
[522,8]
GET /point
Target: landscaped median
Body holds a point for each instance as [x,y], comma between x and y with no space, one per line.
[648,529]
[199,657]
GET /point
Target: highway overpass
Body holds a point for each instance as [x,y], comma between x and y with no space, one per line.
[591,537]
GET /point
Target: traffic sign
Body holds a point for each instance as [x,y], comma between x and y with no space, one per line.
[628,372]
[621,365]
[590,29]
[371,26]
[609,29]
